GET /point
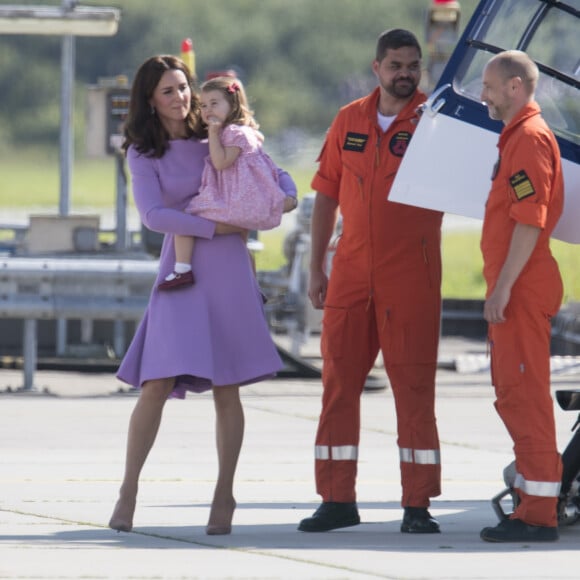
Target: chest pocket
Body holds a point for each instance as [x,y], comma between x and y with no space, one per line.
[355,142]
[357,152]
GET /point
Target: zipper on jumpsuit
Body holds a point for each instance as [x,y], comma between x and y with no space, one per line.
[369,209]
[387,314]
[377,163]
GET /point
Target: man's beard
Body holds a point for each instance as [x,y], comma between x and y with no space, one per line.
[401,89]
[493,112]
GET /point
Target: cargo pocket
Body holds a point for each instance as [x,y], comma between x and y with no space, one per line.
[507,374]
[412,339]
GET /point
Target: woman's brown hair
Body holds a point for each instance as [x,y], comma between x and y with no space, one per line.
[142,128]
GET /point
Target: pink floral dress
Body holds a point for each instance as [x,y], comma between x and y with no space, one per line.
[246,194]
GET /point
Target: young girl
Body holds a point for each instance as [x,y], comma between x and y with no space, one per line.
[240,183]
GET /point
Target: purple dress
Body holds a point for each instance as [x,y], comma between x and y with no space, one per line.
[213,333]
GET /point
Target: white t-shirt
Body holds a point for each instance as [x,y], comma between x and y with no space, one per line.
[384,121]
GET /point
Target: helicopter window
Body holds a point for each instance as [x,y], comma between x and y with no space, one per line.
[549,34]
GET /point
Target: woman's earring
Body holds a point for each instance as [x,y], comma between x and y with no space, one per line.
[152,110]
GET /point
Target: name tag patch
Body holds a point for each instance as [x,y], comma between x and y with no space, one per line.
[522,185]
[399,143]
[355,142]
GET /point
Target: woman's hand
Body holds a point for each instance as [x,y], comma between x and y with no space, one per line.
[290,203]
[222,229]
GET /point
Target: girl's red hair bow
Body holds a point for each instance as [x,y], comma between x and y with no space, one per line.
[233,88]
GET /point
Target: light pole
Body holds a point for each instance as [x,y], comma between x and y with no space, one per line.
[67,75]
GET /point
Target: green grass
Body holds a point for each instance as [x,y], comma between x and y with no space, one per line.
[32,180]
[462,265]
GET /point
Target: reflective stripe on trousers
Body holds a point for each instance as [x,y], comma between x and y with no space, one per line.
[537,488]
[338,452]
[420,456]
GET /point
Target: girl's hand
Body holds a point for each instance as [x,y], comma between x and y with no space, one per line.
[213,122]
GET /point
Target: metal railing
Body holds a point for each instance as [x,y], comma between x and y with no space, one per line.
[72,288]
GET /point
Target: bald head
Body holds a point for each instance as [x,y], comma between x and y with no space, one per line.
[509,82]
[515,63]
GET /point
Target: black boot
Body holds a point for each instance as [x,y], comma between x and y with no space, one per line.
[419,521]
[518,531]
[331,515]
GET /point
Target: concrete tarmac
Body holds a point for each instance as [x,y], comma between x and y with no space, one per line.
[62,460]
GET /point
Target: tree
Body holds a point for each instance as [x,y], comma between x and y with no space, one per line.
[300,59]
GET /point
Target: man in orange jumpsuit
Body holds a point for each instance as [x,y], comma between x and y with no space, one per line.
[524,290]
[384,292]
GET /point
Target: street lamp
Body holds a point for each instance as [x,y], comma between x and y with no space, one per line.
[60,21]
[68,20]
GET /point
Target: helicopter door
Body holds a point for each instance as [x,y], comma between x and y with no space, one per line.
[448,164]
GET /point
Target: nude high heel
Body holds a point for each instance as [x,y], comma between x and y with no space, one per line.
[122,518]
[225,528]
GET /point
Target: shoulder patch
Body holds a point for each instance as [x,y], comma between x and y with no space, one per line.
[522,185]
[399,143]
[355,142]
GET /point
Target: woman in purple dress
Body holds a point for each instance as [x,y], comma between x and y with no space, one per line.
[212,335]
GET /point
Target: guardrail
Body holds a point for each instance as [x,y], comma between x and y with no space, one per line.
[82,288]
[89,288]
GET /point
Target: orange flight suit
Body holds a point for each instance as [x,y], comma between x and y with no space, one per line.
[384,293]
[527,188]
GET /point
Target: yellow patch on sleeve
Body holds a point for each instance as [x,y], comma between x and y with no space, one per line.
[522,185]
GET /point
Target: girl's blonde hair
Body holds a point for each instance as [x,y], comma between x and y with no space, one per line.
[233,90]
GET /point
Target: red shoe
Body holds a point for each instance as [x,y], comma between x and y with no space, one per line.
[180,281]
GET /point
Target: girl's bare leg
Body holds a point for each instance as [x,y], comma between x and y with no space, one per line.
[229,436]
[183,248]
[143,427]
